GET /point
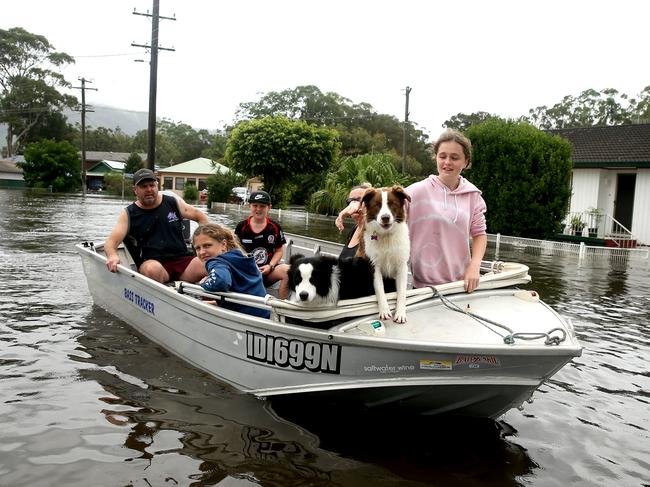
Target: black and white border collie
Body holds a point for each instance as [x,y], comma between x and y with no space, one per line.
[386,244]
[324,280]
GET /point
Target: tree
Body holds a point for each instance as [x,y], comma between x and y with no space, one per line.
[220,186]
[376,169]
[217,148]
[641,106]
[53,126]
[49,163]
[167,153]
[524,175]
[133,163]
[362,130]
[188,142]
[462,121]
[29,82]
[591,107]
[279,149]
[105,139]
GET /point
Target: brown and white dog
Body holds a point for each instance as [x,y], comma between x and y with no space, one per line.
[386,244]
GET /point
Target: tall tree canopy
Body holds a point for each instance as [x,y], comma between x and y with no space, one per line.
[279,150]
[49,163]
[591,107]
[362,130]
[29,80]
[462,121]
[524,175]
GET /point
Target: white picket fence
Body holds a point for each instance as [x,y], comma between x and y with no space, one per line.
[501,242]
[549,247]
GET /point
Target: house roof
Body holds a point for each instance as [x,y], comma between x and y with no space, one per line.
[111,156]
[103,167]
[200,165]
[9,166]
[608,146]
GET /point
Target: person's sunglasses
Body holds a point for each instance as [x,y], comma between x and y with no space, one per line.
[350,200]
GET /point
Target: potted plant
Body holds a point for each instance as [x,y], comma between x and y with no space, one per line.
[577,225]
[595,215]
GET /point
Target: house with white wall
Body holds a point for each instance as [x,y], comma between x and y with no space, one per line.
[611,177]
[194,172]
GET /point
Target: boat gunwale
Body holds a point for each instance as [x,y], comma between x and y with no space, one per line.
[569,348]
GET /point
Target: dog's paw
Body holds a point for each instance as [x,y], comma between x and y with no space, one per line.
[400,318]
[400,315]
[384,312]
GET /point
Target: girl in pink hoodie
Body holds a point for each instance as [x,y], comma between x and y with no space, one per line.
[445,212]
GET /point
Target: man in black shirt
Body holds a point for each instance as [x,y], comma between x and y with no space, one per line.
[152,230]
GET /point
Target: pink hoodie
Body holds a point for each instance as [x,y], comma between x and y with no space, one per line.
[441,223]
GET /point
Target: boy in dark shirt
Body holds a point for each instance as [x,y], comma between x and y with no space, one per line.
[264,240]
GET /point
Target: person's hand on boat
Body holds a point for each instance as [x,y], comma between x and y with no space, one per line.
[472,276]
[112,262]
[266,269]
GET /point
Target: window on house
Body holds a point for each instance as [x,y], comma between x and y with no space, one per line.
[191,181]
[203,184]
[168,182]
[179,183]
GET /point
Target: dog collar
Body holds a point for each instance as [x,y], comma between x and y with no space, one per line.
[374,236]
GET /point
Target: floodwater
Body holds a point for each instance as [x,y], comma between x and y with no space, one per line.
[85,401]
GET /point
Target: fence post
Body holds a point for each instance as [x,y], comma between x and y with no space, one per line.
[581,252]
[498,241]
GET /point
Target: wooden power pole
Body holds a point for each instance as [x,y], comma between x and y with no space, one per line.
[406,122]
[153,78]
[83,110]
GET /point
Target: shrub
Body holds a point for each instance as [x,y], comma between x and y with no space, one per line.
[191,193]
[524,175]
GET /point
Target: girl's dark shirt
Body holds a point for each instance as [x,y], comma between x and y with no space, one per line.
[349,252]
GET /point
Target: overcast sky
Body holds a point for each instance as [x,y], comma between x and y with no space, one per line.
[502,57]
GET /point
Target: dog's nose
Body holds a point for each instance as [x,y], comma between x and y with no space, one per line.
[385,218]
[303,296]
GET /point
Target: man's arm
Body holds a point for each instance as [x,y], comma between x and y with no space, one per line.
[192,213]
[117,236]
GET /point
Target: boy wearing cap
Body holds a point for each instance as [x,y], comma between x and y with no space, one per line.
[263,238]
[152,230]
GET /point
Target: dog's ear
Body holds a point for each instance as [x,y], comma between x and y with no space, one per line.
[368,195]
[294,258]
[401,194]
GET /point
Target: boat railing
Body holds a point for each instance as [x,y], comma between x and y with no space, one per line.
[501,275]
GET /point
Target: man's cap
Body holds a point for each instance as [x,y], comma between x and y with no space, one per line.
[259,197]
[143,174]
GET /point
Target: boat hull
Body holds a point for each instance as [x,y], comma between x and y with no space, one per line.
[268,358]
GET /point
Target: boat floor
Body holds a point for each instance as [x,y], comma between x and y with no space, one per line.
[432,321]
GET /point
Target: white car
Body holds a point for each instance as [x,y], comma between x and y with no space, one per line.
[241,193]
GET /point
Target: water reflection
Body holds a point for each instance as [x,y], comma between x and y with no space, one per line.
[169,408]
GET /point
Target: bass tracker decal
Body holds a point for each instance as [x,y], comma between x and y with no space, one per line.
[297,354]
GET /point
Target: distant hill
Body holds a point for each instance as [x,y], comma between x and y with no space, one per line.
[129,121]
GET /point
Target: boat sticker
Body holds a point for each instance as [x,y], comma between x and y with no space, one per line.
[476,361]
[435,364]
[297,354]
[139,301]
[388,369]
